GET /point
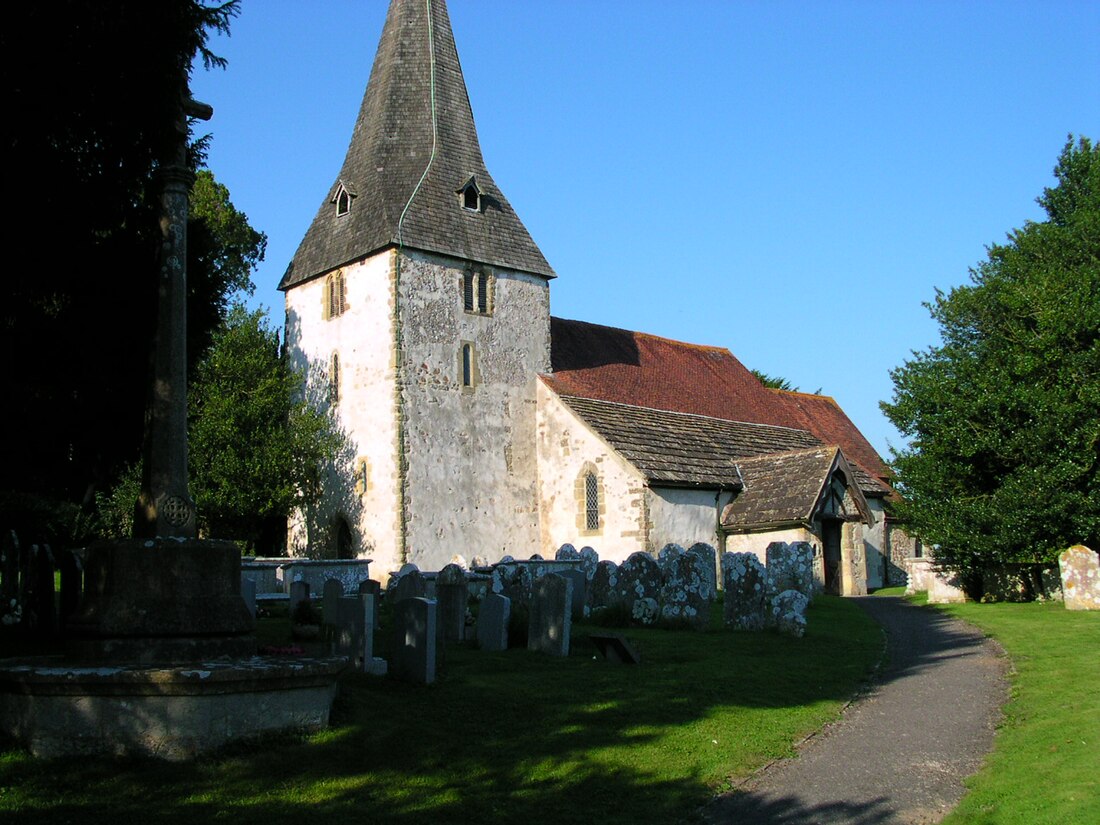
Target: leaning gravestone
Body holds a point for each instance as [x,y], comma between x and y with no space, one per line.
[452,595]
[788,612]
[709,557]
[1080,569]
[745,582]
[492,622]
[248,593]
[551,616]
[639,587]
[414,635]
[603,588]
[686,594]
[790,567]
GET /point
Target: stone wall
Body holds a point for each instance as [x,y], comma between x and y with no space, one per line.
[470,486]
[682,516]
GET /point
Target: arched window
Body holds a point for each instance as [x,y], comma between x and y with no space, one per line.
[590,500]
[343,203]
[467,365]
[335,295]
[342,539]
[334,379]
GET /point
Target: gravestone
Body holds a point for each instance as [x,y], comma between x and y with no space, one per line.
[492,622]
[790,567]
[372,588]
[354,633]
[71,570]
[460,560]
[668,555]
[479,562]
[580,587]
[589,559]
[248,593]
[451,595]
[788,612]
[567,552]
[299,592]
[639,587]
[686,593]
[709,557]
[603,589]
[414,637]
[411,585]
[1080,568]
[744,580]
[551,616]
[331,594]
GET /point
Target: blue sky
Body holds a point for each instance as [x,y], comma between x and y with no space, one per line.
[790,180]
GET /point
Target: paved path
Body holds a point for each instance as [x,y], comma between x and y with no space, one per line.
[900,752]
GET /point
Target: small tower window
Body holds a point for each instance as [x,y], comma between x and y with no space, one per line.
[467,365]
[469,195]
[335,295]
[477,291]
[334,379]
[362,476]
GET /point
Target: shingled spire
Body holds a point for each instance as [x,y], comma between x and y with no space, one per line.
[416,100]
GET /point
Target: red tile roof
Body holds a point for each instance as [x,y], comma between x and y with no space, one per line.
[608,364]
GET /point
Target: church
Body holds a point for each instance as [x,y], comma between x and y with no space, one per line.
[479,425]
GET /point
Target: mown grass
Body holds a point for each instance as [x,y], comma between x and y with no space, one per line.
[501,737]
[1045,765]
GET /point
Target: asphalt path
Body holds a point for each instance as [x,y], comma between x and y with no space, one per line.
[900,752]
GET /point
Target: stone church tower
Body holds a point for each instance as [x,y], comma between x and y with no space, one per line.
[420,306]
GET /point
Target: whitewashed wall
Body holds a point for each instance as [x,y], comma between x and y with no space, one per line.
[682,516]
[363,336]
[565,447]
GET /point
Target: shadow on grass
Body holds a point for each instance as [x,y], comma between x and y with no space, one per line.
[502,737]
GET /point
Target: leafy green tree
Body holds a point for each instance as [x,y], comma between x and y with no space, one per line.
[257,443]
[1003,417]
[92,90]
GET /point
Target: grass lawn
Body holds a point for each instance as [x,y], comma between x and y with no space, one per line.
[509,737]
[1045,765]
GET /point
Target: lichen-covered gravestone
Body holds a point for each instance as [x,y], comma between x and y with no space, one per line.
[709,557]
[686,594]
[1080,568]
[567,552]
[492,622]
[639,587]
[551,615]
[513,581]
[451,594]
[745,580]
[580,588]
[788,612]
[790,567]
[603,587]
[589,559]
[668,555]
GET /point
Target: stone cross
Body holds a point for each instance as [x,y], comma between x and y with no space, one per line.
[164,507]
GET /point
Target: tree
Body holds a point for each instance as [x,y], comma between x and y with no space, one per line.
[1003,417]
[773,382]
[257,443]
[92,94]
